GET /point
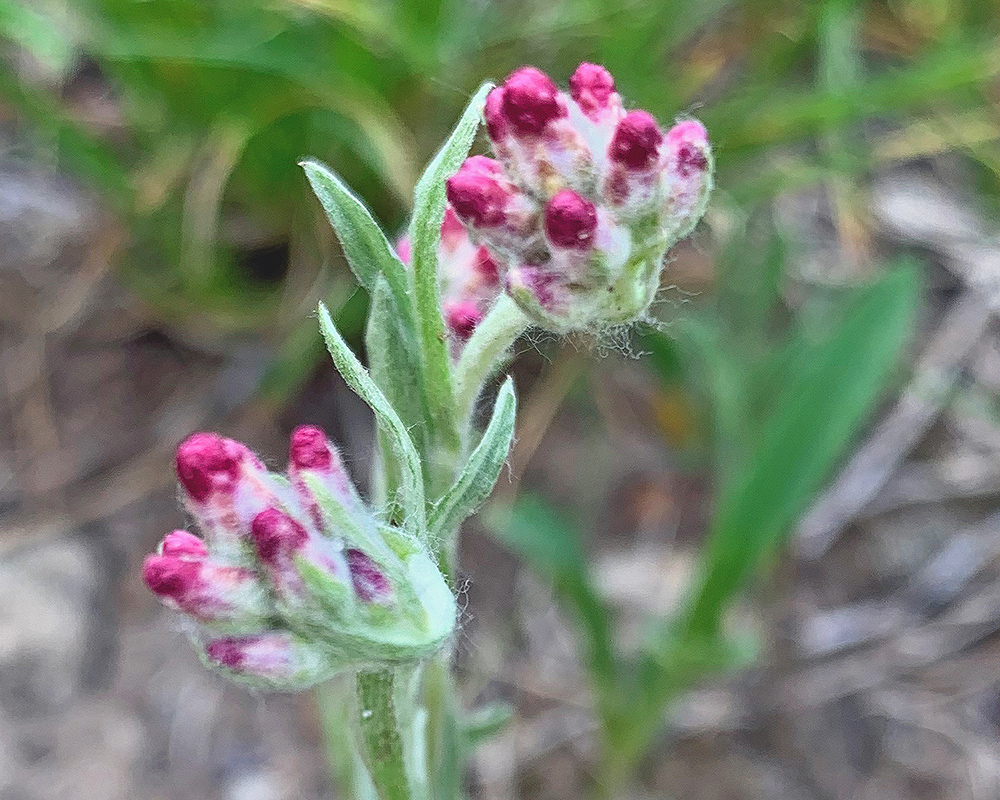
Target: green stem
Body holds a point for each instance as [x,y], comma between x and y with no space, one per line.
[396,774]
[483,353]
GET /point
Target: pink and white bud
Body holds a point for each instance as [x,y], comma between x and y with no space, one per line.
[461,318]
[570,221]
[282,541]
[224,484]
[529,122]
[687,176]
[633,180]
[204,589]
[182,544]
[484,199]
[370,582]
[593,90]
[311,453]
[277,660]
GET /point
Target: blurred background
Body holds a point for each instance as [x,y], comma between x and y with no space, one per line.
[823,386]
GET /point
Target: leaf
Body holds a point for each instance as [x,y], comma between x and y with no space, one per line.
[479,476]
[411,478]
[368,251]
[823,403]
[425,233]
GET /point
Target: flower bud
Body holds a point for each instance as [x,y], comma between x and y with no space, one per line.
[205,590]
[570,221]
[297,578]
[593,89]
[271,660]
[615,193]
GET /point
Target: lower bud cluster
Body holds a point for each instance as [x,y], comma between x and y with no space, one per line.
[295,578]
[583,200]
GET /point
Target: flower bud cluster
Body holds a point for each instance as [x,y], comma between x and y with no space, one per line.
[583,199]
[295,578]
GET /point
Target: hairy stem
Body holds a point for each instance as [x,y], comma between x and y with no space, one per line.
[484,352]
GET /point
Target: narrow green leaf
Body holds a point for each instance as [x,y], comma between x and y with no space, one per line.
[822,404]
[368,251]
[425,233]
[481,471]
[357,377]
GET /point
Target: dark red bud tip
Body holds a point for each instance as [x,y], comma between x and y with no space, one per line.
[530,100]
[476,195]
[635,141]
[169,576]
[462,317]
[570,220]
[591,86]
[182,544]
[309,449]
[207,463]
[276,534]
[230,653]
[690,160]
[369,582]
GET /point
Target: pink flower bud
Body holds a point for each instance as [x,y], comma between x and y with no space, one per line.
[276,659]
[479,193]
[277,536]
[403,249]
[530,101]
[462,317]
[281,541]
[207,464]
[369,581]
[636,141]
[570,220]
[310,452]
[687,176]
[203,589]
[593,89]
[182,544]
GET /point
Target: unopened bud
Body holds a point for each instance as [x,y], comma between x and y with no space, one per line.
[570,220]
[273,660]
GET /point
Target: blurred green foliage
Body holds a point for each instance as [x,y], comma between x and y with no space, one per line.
[213,102]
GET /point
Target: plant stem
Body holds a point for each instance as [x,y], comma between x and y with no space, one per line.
[395,775]
[483,353]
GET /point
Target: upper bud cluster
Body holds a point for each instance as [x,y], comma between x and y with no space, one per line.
[583,199]
[295,578]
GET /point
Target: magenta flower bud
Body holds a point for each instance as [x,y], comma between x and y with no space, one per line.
[593,89]
[462,317]
[479,193]
[277,536]
[182,544]
[368,580]
[636,141]
[205,590]
[272,659]
[687,176]
[208,464]
[493,113]
[530,100]
[570,220]
[311,453]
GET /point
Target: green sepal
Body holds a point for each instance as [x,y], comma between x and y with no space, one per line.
[479,475]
